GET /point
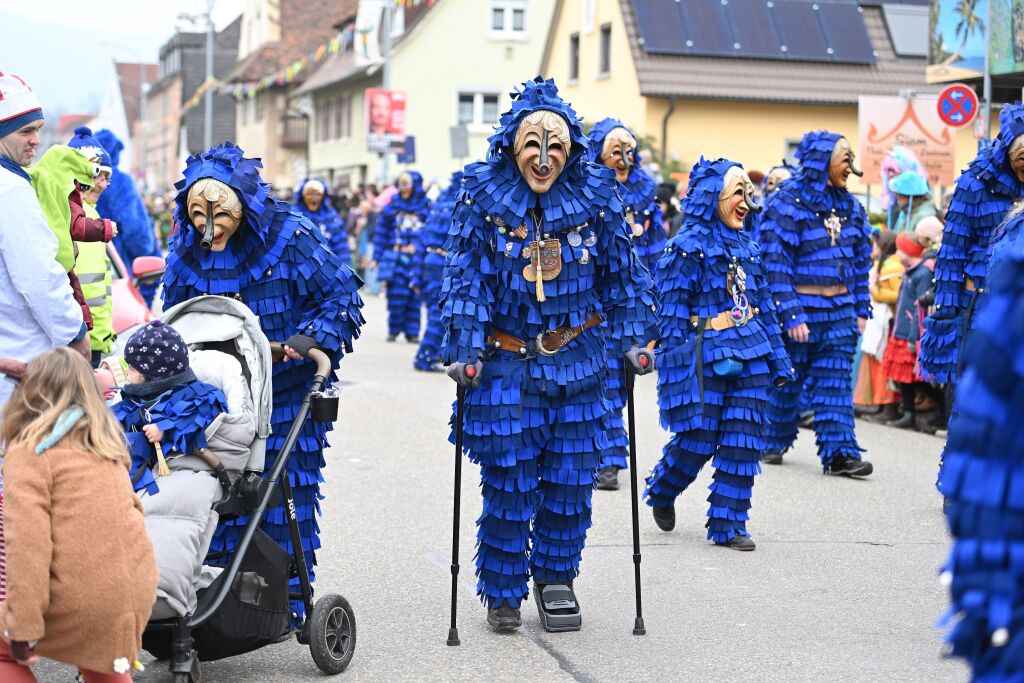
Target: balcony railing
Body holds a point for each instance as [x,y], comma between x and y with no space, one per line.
[293,130]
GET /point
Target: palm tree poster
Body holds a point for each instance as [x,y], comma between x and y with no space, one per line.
[1006,52]
[956,45]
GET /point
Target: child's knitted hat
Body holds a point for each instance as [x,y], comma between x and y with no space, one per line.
[157,351]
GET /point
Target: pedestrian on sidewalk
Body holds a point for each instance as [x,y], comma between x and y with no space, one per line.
[872,396]
[720,350]
[39,311]
[81,574]
[901,354]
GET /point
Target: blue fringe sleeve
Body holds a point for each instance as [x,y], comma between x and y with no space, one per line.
[780,238]
[861,265]
[467,297]
[983,481]
[383,241]
[679,276]
[780,364]
[337,238]
[141,452]
[328,291]
[184,415]
[627,293]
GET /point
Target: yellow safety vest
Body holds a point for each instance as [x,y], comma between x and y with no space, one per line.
[92,265]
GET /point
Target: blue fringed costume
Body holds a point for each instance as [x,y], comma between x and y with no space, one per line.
[536,424]
[428,272]
[121,203]
[712,415]
[326,217]
[815,241]
[983,477]
[640,196]
[278,265]
[396,242]
[983,195]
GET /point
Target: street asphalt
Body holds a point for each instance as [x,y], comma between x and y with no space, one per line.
[843,585]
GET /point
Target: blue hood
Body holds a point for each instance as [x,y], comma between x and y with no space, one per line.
[701,201]
[112,144]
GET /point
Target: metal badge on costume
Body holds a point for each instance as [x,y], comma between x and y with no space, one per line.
[408,221]
[834,226]
[545,259]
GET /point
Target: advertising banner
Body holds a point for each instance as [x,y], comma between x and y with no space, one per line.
[385,120]
[884,122]
[956,39]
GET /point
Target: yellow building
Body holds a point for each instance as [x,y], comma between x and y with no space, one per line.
[742,81]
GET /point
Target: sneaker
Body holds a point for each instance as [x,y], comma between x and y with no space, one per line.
[392,337]
[607,479]
[772,458]
[737,542]
[905,422]
[665,518]
[846,466]
[504,619]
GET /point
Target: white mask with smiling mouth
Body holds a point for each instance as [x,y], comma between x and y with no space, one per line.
[541,148]
[736,199]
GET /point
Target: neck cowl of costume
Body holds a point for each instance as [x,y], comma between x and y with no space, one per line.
[499,189]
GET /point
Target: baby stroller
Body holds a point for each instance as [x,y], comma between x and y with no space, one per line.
[244,606]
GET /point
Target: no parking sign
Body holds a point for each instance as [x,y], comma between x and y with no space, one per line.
[958,105]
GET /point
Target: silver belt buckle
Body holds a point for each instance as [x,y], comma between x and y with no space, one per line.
[540,345]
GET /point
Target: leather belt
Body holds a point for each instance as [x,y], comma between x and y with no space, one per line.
[969,284]
[437,250]
[407,249]
[722,321]
[822,290]
[546,343]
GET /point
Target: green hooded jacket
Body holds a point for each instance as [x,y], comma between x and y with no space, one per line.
[53,179]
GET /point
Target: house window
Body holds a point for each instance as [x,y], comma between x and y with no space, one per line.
[344,117]
[508,19]
[477,108]
[260,109]
[574,57]
[606,50]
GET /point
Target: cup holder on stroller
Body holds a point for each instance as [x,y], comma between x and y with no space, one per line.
[323,407]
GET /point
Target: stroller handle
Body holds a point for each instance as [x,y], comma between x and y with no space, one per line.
[322,360]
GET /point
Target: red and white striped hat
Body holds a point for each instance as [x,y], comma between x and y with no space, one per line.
[18,104]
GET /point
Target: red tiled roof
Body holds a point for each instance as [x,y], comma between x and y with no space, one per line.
[305,25]
[131,76]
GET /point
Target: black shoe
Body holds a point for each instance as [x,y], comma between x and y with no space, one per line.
[864,411]
[412,339]
[665,518]
[807,421]
[772,458]
[607,479]
[905,422]
[392,337]
[504,619]
[848,467]
[737,542]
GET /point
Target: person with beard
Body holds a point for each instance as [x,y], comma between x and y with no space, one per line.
[396,241]
[719,353]
[815,239]
[428,272]
[234,239]
[983,195]
[612,144]
[541,273]
[311,201]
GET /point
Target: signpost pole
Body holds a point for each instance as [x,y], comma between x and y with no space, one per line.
[385,178]
[987,83]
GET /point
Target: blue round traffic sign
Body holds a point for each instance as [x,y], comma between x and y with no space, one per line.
[958,105]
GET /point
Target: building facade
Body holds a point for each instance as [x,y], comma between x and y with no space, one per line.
[742,87]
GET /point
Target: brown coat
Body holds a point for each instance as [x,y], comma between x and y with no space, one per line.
[81,575]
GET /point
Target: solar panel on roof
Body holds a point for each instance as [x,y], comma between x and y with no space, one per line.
[807,30]
[753,28]
[661,26]
[800,30]
[846,37]
[709,32]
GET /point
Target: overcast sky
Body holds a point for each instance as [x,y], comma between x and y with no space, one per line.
[64,48]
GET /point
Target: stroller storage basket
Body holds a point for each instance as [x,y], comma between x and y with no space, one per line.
[255,612]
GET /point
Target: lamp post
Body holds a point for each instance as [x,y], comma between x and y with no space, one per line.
[208,104]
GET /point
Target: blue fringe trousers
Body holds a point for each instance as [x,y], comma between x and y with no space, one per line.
[617,452]
[732,433]
[403,302]
[823,368]
[429,352]
[536,443]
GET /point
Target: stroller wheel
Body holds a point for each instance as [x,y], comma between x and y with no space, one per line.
[332,633]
